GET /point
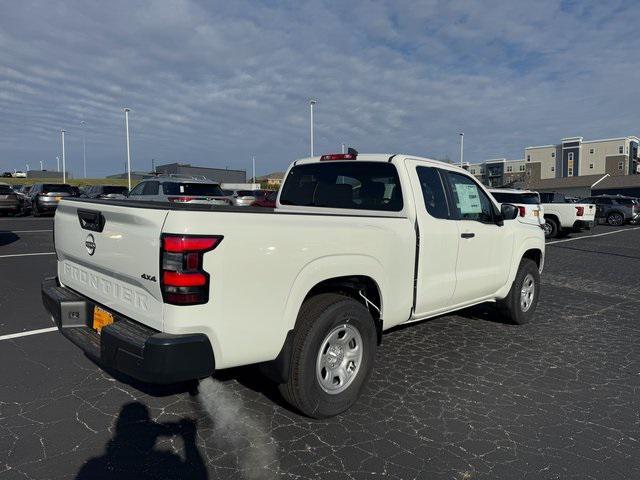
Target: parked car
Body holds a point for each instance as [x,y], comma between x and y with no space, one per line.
[268,201]
[179,190]
[44,197]
[20,174]
[9,201]
[23,196]
[7,174]
[16,187]
[357,244]
[105,191]
[530,209]
[244,198]
[562,216]
[616,209]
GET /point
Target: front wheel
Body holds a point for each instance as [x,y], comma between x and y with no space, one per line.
[520,305]
[332,356]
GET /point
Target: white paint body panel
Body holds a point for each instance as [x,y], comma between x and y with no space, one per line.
[567,213]
[249,314]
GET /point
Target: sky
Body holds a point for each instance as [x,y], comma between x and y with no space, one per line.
[215,83]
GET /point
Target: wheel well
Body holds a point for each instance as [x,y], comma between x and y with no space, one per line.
[552,217]
[352,286]
[535,255]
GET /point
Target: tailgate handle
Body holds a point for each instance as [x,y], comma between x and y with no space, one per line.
[91,220]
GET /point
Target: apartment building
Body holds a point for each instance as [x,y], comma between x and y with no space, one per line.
[498,172]
[574,157]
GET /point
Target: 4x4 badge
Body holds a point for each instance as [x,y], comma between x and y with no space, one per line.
[151,278]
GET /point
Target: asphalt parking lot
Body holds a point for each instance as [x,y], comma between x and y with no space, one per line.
[458,397]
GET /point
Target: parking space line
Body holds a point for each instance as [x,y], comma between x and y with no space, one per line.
[593,236]
[27,254]
[27,333]
[24,231]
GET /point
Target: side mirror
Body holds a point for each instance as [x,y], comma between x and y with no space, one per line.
[508,211]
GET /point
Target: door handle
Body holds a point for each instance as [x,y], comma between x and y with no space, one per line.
[467,235]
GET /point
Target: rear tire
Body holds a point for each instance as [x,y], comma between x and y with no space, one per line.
[333,352]
[550,228]
[615,219]
[519,306]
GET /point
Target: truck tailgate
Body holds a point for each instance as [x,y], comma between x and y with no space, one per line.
[589,214]
[110,253]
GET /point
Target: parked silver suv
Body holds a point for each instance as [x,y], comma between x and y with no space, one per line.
[178,189]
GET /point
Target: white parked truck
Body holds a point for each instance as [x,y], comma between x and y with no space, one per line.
[563,216]
[529,208]
[356,245]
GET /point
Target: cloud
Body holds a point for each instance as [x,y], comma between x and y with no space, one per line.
[213,83]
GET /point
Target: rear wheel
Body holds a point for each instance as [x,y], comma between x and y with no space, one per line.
[615,219]
[333,353]
[520,305]
[550,228]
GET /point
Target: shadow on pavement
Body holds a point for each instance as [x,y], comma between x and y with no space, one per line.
[130,454]
[7,238]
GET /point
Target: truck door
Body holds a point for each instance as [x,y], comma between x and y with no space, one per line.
[438,240]
[485,249]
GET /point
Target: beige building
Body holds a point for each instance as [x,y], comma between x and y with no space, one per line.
[575,157]
[499,171]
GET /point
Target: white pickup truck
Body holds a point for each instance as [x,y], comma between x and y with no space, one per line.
[357,244]
[562,216]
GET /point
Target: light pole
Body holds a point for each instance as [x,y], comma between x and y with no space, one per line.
[461,149]
[84,150]
[64,160]
[253,166]
[311,104]
[126,124]
[58,163]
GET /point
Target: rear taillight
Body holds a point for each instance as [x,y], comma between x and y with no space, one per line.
[522,211]
[580,211]
[183,280]
[180,199]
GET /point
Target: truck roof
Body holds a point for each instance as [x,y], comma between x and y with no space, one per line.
[509,190]
[383,157]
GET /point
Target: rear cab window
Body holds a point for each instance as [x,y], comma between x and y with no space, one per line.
[528,198]
[355,185]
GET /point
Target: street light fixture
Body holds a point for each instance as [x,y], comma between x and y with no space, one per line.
[311,104]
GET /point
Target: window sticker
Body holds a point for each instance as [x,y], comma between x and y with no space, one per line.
[468,199]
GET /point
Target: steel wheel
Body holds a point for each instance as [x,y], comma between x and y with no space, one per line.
[339,358]
[547,229]
[615,219]
[527,292]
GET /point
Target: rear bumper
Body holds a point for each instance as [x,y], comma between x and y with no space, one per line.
[583,224]
[9,207]
[128,346]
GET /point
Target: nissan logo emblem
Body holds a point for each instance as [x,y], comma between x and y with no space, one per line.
[90,243]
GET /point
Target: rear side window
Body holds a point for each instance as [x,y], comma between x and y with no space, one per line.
[53,187]
[469,201]
[151,188]
[432,187]
[522,198]
[339,184]
[197,189]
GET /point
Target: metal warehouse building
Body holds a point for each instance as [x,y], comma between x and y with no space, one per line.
[220,175]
